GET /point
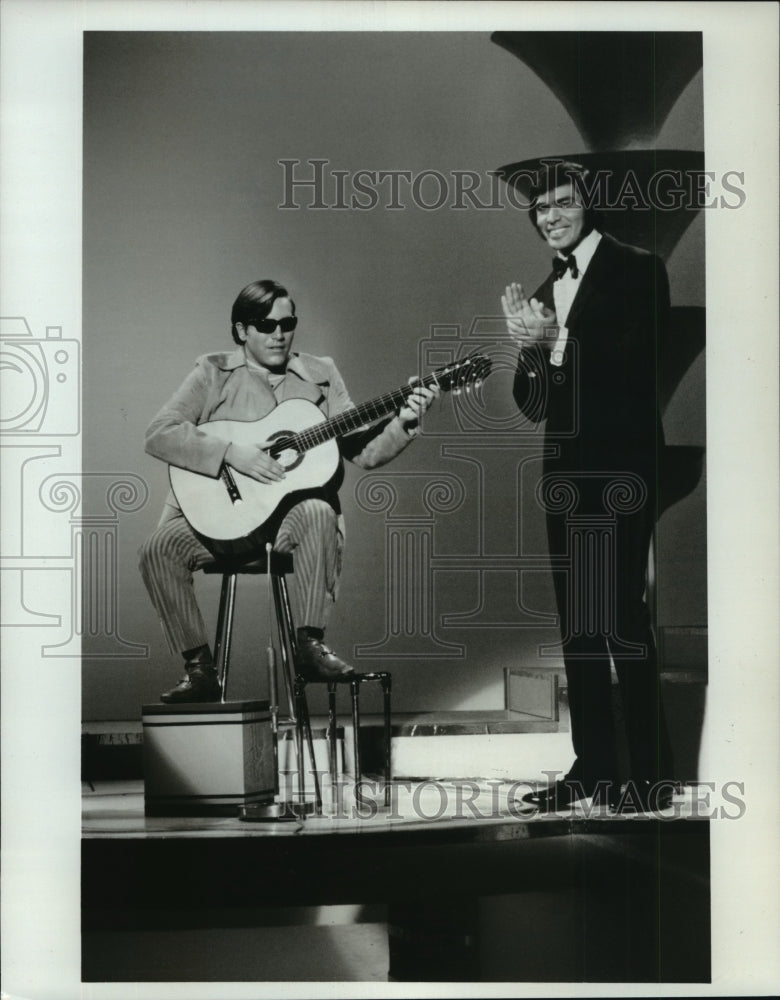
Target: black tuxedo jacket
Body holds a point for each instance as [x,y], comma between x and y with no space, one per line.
[601,404]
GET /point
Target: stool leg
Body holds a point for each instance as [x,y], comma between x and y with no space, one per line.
[355,686]
[227,603]
[303,725]
[299,713]
[332,732]
[287,612]
[223,599]
[387,684]
[273,705]
[286,629]
[310,741]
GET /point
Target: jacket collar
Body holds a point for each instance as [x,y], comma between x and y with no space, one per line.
[229,362]
[296,365]
[299,367]
[584,251]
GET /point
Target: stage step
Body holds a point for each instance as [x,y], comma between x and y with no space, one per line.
[521,741]
[498,744]
[461,744]
[502,744]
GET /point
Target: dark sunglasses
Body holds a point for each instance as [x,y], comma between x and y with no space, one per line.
[287,324]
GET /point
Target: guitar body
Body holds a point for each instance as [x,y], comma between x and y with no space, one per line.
[206,502]
[230,511]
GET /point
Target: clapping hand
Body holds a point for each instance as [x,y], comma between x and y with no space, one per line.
[528,321]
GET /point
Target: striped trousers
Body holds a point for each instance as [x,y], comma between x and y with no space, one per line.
[171,555]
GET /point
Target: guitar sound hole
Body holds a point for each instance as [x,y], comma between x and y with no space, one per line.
[289,458]
[285,454]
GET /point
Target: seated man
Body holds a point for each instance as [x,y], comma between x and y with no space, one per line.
[246,384]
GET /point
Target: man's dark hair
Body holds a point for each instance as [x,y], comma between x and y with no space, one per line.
[255,302]
[553,174]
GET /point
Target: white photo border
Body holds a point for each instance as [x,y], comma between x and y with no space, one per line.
[40,251]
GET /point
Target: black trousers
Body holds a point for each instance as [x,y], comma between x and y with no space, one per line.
[599,545]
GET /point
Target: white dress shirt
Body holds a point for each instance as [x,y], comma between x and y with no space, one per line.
[565,288]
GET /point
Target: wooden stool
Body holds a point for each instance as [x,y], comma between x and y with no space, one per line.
[230,568]
[281,563]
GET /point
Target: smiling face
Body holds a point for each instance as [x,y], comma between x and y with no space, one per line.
[560,218]
[269,349]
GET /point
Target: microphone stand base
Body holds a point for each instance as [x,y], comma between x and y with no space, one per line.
[265,812]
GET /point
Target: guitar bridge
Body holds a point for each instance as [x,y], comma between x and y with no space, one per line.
[230,484]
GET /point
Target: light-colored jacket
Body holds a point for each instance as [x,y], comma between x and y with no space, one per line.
[223,387]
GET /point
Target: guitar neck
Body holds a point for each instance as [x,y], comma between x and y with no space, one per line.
[357,416]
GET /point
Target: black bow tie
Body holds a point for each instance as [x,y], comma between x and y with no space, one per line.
[563,264]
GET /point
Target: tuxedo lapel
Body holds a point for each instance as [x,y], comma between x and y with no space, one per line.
[544,292]
[595,282]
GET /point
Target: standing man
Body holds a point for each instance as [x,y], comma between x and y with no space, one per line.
[587,364]
[246,384]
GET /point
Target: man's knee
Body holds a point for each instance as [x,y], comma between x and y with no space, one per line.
[316,506]
[317,514]
[312,520]
[154,550]
[146,554]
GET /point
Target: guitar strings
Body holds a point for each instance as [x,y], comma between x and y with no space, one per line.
[355,417]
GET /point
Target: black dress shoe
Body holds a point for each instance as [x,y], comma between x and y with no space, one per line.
[199,683]
[314,661]
[644,797]
[563,794]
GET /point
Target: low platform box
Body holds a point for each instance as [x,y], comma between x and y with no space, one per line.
[207,759]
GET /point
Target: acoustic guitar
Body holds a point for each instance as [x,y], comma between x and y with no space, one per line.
[232,507]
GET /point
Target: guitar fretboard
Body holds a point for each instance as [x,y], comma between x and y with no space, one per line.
[350,420]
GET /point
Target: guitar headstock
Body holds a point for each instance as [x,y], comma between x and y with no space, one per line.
[469,371]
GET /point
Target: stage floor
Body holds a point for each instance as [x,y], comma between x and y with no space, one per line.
[450,883]
[489,808]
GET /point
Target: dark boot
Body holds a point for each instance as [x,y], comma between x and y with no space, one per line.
[199,683]
[315,661]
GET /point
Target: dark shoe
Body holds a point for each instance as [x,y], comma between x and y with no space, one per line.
[645,797]
[315,662]
[199,683]
[563,794]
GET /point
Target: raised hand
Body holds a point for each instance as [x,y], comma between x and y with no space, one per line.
[528,321]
